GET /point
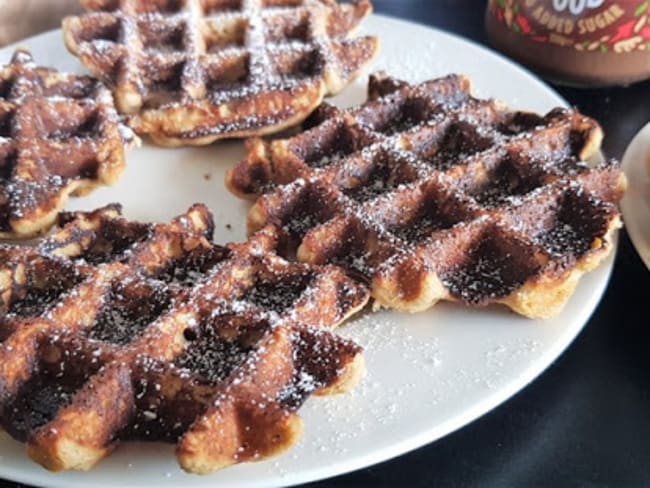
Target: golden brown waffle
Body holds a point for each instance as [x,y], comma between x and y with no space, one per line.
[430,194]
[59,135]
[194,71]
[113,330]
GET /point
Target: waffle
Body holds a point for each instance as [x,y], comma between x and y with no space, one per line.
[194,71]
[113,330]
[59,136]
[429,194]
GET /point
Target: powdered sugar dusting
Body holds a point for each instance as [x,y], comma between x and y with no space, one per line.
[222,56]
[428,182]
[60,132]
[190,326]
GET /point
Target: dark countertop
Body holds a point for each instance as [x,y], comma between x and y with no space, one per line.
[585,421]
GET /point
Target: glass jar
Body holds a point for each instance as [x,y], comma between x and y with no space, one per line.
[578,42]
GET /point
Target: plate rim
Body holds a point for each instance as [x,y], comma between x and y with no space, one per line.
[633,226]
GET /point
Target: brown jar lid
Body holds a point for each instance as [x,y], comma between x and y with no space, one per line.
[582,42]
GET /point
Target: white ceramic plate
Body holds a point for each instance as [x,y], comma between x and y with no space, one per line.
[428,374]
[636,202]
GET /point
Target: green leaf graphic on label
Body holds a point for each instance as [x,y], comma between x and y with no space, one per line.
[641,8]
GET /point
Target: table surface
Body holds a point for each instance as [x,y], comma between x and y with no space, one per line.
[585,420]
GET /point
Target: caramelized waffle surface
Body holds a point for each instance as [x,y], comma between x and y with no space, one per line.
[59,135]
[113,330]
[429,194]
[194,71]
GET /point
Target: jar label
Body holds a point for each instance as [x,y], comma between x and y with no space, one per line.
[584,25]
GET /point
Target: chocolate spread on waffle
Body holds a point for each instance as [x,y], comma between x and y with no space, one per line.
[112,330]
[194,71]
[429,194]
